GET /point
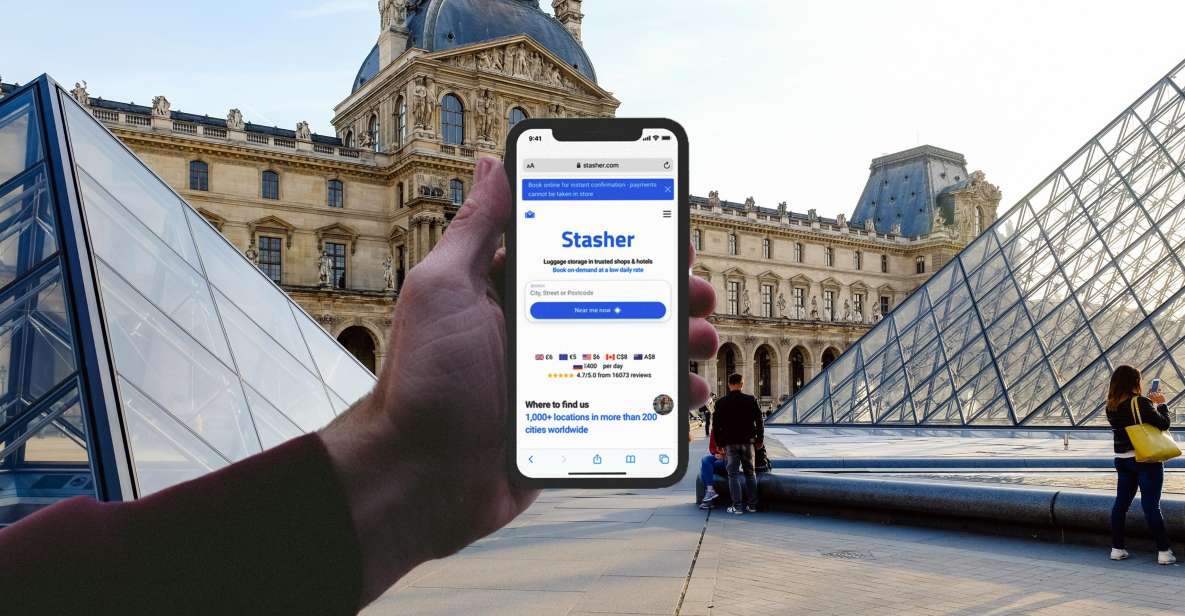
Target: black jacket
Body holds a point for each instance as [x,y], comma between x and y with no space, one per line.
[737,420]
[1122,417]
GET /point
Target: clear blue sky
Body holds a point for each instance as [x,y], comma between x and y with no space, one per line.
[783,100]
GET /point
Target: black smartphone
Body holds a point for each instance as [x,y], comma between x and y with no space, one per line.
[596,302]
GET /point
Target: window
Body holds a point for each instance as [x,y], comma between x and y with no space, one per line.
[829,305]
[517,115]
[270,257]
[452,120]
[336,194]
[372,131]
[732,243]
[734,296]
[884,264]
[978,220]
[798,252]
[697,239]
[348,140]
[858,305]
[337,252]
[767,300]
[401,121]
[828,256]
[271,185]
[885,304]
[766,251]
[920,265]
[399,196]
[457,191]
[858,260]
[799,296]
[199,175]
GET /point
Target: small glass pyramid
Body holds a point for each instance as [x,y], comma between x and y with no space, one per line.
[138,348]
[1025,325]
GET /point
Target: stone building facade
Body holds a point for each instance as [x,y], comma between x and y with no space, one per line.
[794,290]
[337,220]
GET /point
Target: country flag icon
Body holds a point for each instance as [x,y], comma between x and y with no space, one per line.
[578,366]
[563,357]
[637,356]
[539,357]
[586,357]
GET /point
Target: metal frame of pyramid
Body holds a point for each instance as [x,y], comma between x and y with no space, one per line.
[138,347]
[1024,326]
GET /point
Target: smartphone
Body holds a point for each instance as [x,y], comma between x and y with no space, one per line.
[1155,386]
[597,265]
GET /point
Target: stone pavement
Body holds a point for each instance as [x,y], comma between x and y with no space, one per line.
[579,552]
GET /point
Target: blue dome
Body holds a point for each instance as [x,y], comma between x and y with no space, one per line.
[439,25]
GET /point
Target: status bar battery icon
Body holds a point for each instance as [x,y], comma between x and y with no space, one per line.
[666,137]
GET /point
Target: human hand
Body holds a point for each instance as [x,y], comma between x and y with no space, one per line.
[1156,397]
[423,458]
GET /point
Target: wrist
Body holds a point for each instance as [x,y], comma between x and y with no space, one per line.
[379,487]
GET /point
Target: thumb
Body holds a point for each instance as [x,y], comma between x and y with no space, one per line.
[472,237]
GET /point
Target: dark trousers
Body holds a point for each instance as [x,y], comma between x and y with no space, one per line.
[1148,478]
[740,458]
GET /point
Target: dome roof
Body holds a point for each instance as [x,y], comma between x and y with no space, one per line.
[439,25]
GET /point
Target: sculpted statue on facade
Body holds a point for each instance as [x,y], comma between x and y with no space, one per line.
[847,310]
[535,66]
[896,229]
[234,120]
[388,273]
[781,305]
[746,304]
[876,312]
[487,117]
[423,103]
[750,203]
[302,131]
[815,308]
[393,14]
[782,209]
[79,93]
[869,225]
[939,222]
[714,198]
[841,221]
[252,254]
[555,111]
[325,268]
[160,107]
[490,60]
[554,77]
[812,215]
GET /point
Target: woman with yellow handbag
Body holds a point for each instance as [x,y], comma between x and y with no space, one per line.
[1142,444]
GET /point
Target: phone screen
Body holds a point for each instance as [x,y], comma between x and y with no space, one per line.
[597,264]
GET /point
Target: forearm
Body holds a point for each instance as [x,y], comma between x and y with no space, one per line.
[270,533]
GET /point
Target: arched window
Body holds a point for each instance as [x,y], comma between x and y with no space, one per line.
[372,130]
[401,121]
[336,194]
[271,185]
[920,264]
[517,115]
[348,140]
[457,191]
[452,120]
[199,175]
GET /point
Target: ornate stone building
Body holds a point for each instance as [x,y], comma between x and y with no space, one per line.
[794,290]
[336,220]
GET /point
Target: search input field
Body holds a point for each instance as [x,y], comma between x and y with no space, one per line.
[601,300]
[598,165]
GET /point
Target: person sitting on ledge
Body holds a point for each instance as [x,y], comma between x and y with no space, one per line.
[327,522]
[709,465]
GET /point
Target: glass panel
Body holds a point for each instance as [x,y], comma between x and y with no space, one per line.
[1137,349]
[970,360]
[1101,290]
[1073,355]
[344,375]
[254,294]
[1052,413]
[174,371]
[1034,388]
[1087,392]
[1014,324]
[279,378]
[28,233]
[1020,358]
[273,427]
[1164,279]
[1060,324]
[164,452]
[20,137]
[905,313]
[36,347]
[1116,320]
[998,300]
[158,273]
[125,177]
[1169,321]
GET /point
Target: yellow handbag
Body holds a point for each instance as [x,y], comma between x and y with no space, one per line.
[1151,443]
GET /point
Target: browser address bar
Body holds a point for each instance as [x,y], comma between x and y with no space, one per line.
[598,165]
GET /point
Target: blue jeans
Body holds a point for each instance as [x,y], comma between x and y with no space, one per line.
[708,467]
[1148,477]
[740,458]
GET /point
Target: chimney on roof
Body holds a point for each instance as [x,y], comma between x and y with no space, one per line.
[567,12]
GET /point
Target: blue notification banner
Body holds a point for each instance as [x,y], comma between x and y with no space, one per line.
[599,190]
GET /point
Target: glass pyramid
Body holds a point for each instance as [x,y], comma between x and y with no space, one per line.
[138,348]
[1024,326]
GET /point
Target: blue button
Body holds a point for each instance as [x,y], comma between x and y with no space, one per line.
[598,310]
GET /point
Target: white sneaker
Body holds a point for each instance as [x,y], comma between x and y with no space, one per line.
[736,510]
[1117,554]
[1165,558]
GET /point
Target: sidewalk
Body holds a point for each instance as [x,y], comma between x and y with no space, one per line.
[579,552]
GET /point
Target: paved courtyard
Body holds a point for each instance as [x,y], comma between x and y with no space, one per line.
[651,552]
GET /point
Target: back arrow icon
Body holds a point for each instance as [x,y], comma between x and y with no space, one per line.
[531,459]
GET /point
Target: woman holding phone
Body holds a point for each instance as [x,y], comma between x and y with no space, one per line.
[1147,477]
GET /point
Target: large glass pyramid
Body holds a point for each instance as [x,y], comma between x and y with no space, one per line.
[138,348]
[1025,325]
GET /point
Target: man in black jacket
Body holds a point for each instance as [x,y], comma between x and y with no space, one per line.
[737,423]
